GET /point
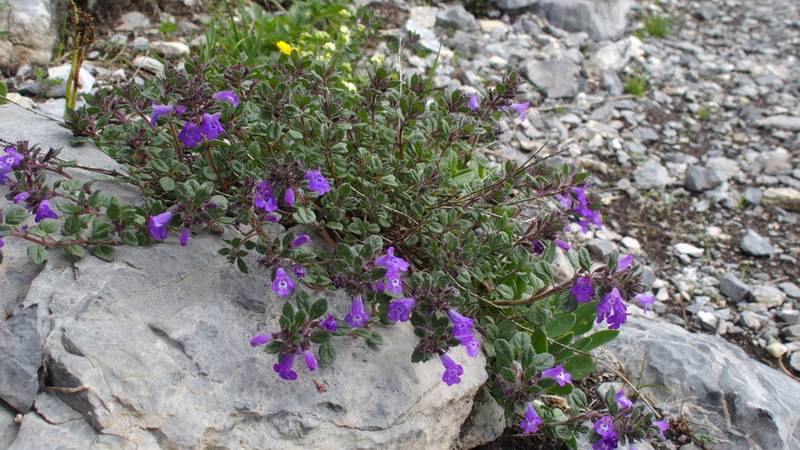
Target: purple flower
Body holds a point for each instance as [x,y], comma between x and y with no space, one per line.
[300,240]
[299,271]
[564,246]
[473,346]
[538,247]
[393,263]
[4,171]
[211,126]
[1,241]
[329,323]
[357,317]
[44,212]
[462,326]
[521,109]
[663,426]
[317,182]
[624,263]
[607,443]
[400,308]
[562,377]
[186,236]
[21,197]
[623,401]
[565,200]
[532,420]
[190,135]
[393,283]
[12,158]
[583,290]
[288,197]
[311,362]
[265,197]
[605,427]
[271,218]
[473,101]
[612,309]
[282,284]
[452,371]
[227,95]
[260,339]
[159,110]
[284,369]
[645,300]
[158,225]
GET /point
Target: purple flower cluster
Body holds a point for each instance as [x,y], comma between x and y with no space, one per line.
[462,330]
[581,207]
[266,198]
[532,420]
[609,439]
[583,290]
[7,163]
[613,310]
[394,265]
[158,225]
[191,134]
[285,368]
[473,103]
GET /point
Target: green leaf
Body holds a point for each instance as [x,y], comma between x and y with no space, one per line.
[560,324]
[319,308]
[242,265]
[595,340]
[49,225]
[167,184]
[105,252]
[580,366]
[327,353]
[543,361]
[504,352]
[304,216]
[574,259]
[76,251]
[577,401]
[288,311]
[320,337]
[16,216]
[463,176]
[375,339]
[73,225]
[584,259]
[334,226]
[536,315]
[37,253]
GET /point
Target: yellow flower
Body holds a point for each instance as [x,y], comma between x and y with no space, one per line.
[285,48]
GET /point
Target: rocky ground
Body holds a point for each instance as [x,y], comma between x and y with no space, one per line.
[700,175]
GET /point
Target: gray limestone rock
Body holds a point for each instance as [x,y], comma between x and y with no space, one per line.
[781,122]
[20,358]
[33,25]
[699,179]
[159,331]
[733,288]
[600,248]
[790,289]
[133,20]
[713,384]
[756,245]
[458,18]
[651,175]
[485,424]
[612,83]
[558,77]
[602,19]
[514,4]
[771,297]
[786,198]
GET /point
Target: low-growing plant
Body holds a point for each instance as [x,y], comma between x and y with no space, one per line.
[421,227]
[637,84]
[658,25]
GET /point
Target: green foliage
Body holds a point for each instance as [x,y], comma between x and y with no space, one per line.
[658,25]
[167,28]
[637,84]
